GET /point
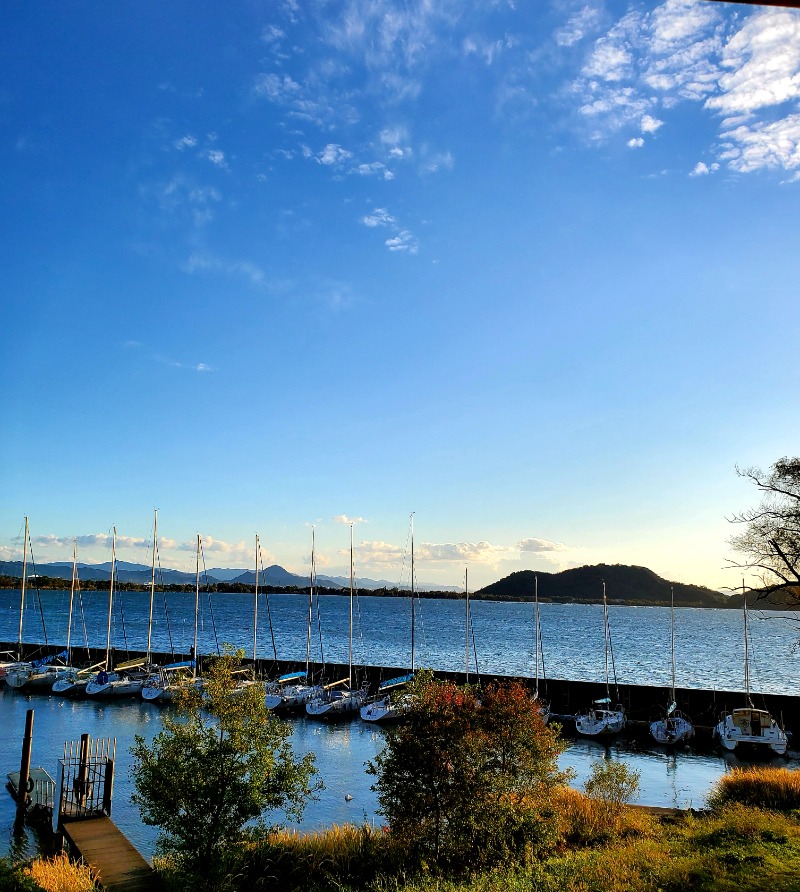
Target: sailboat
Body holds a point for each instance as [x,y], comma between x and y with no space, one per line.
[292,691]
[674,728]
[162,686]
[340,699]
[12,664]
[601,720]
[127,679]
[538,656]
[748,726]
[389,705]
[38,675]
[72,682]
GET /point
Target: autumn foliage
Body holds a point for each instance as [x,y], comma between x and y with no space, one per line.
[466,779]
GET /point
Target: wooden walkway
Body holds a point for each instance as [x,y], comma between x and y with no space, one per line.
[117,865]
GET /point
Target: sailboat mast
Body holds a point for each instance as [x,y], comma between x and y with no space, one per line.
[111,596]
[536,631]
[22,594]
[350,662]
[152,585]
[466,626]
[746,653]
[255,609]
[412,592]
[196,599]
[72,595]
[672,636]
[310,606]
[605,636]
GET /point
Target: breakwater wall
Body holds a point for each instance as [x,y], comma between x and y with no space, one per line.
[643,703]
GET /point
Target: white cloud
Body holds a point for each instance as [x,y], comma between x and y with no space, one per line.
[578,26]
[379,217]
[744,67]
[702,169]
[761,145]
[216,157]
[203,367]
[277,88]
[404,241]
[436,162]
[537,545]
[650,124]
[636,143]
[333,154]
[343,518]
[762,64]
[185,142]
[205,261]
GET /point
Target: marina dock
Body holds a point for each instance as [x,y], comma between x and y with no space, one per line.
[117,865]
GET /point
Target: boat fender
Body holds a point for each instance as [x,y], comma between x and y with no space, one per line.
[348,797]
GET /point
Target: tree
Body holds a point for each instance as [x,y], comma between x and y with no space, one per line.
[770,542]
[220,762]
[465,781]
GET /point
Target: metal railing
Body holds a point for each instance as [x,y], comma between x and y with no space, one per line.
[86,778]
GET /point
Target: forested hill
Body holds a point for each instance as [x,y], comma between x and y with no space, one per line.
[624,585]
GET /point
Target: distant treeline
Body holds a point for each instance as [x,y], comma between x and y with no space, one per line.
[100,585]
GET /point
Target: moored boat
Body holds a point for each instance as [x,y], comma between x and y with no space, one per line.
[602,719]
[747,726]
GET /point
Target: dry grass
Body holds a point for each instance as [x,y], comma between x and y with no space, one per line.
[340,854]
[59,874]
[584,820]
[777,789]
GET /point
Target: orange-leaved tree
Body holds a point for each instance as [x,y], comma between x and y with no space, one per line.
[465,780]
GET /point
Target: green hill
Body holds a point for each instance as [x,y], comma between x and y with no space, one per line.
[584,585]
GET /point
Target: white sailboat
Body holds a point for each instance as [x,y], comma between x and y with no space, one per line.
[292,691]
[72,682]
[675,727]
[11,664]
[389,705]
[39,675]
[340,699]
[601,719]
[127,679]
[749,727]
[163,685]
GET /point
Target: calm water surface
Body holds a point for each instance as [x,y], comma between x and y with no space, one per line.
[709,644]
[710,655]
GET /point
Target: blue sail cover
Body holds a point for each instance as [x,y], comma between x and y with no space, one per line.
[396,682]
[45,660]
[293,676]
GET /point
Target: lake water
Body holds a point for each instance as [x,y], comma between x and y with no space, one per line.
[710,655]
[709,643]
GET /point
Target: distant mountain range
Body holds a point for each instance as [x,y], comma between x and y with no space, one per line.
[141,573]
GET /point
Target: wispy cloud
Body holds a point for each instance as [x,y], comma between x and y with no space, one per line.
[343,518]
[744,69]
[402,241]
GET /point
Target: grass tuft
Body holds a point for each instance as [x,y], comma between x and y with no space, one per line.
[59,874]
[776,789]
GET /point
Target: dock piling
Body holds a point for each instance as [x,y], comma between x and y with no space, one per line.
[24,768]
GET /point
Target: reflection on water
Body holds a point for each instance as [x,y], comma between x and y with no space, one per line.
[679,780]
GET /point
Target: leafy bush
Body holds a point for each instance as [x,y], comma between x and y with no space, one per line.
[465,782]
[777,789]
[13,878]
[584,821]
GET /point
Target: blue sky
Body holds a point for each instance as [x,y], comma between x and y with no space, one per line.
[528,270]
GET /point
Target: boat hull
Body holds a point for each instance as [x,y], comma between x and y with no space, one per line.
[750,729]
[672,730]
[600,722]
[336,706]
